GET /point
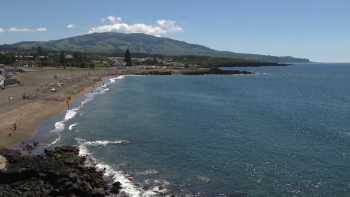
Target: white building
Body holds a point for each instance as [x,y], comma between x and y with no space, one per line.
[2,75]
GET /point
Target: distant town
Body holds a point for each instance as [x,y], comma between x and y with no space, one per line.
[82,60]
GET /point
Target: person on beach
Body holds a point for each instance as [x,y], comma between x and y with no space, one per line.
[15,126]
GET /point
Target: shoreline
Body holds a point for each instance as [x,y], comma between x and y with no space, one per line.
[42,132]
[31,116]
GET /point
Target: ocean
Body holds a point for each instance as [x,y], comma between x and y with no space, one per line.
[284,132]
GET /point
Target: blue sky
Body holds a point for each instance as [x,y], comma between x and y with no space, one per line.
[314,29]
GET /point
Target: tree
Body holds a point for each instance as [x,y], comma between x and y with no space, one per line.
[62,58]
[187,66]
[76,55]
[155,60]
[92,66]
[39,50]
[127,58]
[83,65]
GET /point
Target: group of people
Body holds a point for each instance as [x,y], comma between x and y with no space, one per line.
[26,96]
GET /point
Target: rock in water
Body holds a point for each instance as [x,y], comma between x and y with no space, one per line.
[116,187]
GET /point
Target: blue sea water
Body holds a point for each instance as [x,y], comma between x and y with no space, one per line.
[281,133]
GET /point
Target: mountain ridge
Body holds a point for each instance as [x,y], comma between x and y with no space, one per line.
[110,42]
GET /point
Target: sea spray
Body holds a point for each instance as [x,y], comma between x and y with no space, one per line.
[127,185]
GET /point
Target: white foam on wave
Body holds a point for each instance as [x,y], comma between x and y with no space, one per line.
[128,186]
[112,80]
[60,126]
[72,125]
[150,171]
[57,139]
[104,142]
[70,114]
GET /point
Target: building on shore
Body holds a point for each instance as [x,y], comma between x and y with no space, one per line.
[2,75]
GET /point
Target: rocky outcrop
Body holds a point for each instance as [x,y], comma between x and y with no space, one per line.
[54,173]
[217,71]
[212,71]
[154,73]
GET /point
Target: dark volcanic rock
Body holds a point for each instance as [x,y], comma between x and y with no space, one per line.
[98,192]
[54,173]
[116,187]
[217,71]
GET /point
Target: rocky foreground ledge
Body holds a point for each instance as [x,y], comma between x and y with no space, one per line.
[54,173]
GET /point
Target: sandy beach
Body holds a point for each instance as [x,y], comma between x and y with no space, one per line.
[30,113]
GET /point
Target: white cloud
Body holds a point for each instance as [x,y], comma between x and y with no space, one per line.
[114,20]
[157,35]
[164,26]
[25,29]
[71,26]
[1,30]
[169,25]
[136,28]
[103,20]
[41,29]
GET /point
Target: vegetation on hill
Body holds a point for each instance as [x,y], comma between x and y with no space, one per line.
[140,43]
[206,61]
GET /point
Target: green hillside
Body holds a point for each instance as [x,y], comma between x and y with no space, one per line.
[118,42]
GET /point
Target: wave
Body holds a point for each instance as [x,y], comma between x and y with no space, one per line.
[71,113]
[203,179]
[150,171]
[112,80]
[128,186]
[56,140]
[72,125]
[102,142]
[125,179]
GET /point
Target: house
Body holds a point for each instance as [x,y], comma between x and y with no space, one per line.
[2,75]
[97,63]
[69,56]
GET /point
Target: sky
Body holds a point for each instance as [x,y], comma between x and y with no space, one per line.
[315,29]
